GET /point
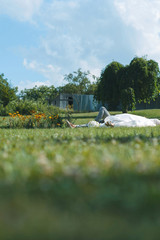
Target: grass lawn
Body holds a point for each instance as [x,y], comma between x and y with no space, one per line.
[80,183]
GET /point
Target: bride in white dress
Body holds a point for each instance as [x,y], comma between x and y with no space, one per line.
[119,120]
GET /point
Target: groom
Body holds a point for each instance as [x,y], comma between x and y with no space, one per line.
[103,113]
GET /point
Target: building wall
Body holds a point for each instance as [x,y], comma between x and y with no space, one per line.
[84,103]
[79,102]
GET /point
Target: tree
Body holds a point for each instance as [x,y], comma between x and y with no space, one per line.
[143,78]
[137,82]
[7,93]
[128,101]
[153,80]
[108,90]
[42,93]
[91,89]
[79,83]
[69,88]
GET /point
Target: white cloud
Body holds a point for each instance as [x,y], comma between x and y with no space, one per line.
[144,17]
[22,10]
[75,34]
[51,73]
[139,13]
[30,84]
[93,65]
[58,10]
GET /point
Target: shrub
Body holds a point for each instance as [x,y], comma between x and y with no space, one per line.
[25,107]
[3,110]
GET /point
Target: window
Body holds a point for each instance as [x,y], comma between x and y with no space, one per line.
[70,101]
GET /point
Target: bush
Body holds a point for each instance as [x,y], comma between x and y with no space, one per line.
[3,110]
[25,107]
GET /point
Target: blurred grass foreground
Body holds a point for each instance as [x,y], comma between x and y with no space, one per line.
[80,183]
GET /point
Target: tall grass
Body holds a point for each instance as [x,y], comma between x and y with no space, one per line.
[80,183]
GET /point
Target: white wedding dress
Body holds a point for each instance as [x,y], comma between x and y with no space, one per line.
[126,120]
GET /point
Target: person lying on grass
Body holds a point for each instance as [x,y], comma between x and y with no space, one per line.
[104,119]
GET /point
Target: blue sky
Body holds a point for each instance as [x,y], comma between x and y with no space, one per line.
[42,40]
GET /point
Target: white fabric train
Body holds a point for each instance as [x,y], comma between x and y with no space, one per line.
[126,120]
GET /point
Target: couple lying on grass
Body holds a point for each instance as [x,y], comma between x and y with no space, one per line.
[104,119]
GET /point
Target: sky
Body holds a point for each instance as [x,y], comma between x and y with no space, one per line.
[43,40]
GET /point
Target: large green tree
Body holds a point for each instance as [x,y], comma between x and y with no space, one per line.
[7,93]
[143,78]
[126,85]
[108,90]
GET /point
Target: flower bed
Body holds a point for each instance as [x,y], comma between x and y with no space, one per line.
[35,120]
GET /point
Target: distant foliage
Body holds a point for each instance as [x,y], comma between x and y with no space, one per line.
[25,107]
[44,94]
[7,93]
[79,82]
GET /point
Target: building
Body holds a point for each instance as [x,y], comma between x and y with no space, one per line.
[86,103]
[79,102]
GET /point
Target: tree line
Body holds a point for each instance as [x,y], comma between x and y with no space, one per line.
[78,82]
[126,85]
[118,85]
